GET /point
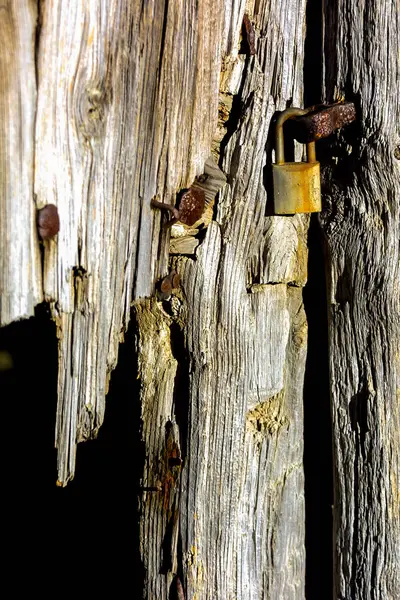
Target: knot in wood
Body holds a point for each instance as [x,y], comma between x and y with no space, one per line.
[48,221]
[91,110]
[191,206]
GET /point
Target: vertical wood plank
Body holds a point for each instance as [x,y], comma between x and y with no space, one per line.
[361,222]
[20,267]
[238,332]
[159,493]
[127,101]
[242,496]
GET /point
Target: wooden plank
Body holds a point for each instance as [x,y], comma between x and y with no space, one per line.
[122,116]
[361,222]
[242,507]
[20,267]
[239,334]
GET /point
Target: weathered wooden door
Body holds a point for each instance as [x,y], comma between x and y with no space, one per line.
[105,105]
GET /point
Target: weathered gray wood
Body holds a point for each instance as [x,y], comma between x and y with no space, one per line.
[127,109]
[20,268]
[122,116]
[242,508]
[362,227]
[238,399]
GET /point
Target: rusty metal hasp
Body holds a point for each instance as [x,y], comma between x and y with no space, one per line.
[321,121]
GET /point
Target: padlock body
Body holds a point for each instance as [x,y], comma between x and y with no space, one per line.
[297,188]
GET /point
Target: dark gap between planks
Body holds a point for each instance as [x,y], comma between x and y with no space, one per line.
[318,458]
[317,428]
[84,537]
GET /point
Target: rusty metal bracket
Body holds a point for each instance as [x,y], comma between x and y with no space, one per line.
[321,121]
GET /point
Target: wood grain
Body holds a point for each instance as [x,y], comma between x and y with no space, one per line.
[20,268]
[239,334]
[361,222]
[119,101]
[242,503]
[127,102]
[159,523]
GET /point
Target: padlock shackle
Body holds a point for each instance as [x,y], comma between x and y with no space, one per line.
[289,113]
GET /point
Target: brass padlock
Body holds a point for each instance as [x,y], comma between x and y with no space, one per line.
[297,186]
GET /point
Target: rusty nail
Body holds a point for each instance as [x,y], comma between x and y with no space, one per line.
[152,488]
[174,211]
[191,207]
[175,279]
[48,221]
[166,286]
[321,121]
[168,283]
[175,461]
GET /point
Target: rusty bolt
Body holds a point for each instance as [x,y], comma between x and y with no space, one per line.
[48,221]
[168,283]
[191,207]
[321,121]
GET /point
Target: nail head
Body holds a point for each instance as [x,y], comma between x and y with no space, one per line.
[48,221]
